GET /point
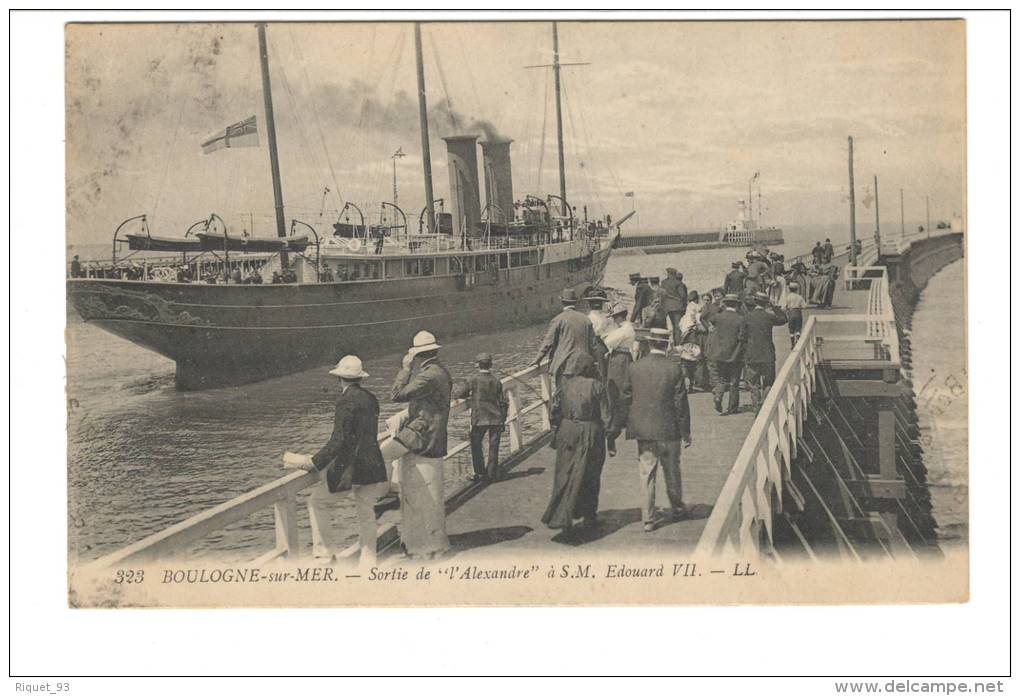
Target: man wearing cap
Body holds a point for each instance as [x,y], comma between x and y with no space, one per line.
[569,336]
[488,414]
[352,460]
[642,296]
[760,357]
[674,300]
[733,284]
[425,385]
[660,420]
[726,343]
[619,346]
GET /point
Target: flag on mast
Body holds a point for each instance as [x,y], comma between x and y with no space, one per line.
[241,134]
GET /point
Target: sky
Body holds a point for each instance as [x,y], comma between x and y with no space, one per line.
[681,113]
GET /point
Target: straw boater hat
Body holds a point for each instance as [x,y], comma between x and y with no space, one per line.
[596,295]
[423,342]
[568,296]
[483,359]
[634,276]
[659,335]
[349,367]
[731,298]
[761,298]
[617,309]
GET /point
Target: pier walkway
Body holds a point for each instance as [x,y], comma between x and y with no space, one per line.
[736,474]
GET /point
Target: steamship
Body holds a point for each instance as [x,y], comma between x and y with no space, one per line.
[365,289]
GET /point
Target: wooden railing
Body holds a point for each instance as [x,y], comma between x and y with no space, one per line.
[742,517]
[177,540]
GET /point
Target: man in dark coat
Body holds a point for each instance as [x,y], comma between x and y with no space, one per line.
[642,296]
[660,420]
[726,343]
[488,414]
[674,300]
[570,335]
[351,459]
[827,251]
[733,284]
[760,355]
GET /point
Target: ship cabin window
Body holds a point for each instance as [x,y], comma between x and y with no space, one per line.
[428,267]
[358,270]
[504,260]
[394,269]
[411,268]
[494,262]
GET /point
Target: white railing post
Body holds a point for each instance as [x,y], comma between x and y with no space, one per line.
[286,526]
[546,390]
[514,419]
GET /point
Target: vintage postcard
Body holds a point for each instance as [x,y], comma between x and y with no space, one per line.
[516,313]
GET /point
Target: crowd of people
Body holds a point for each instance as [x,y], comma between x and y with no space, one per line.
[615,370]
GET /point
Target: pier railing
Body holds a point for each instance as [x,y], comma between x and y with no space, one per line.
[742,517]
[527,391]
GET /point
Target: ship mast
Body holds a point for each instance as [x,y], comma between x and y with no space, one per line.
[559,115]
[274,161]
[426,157]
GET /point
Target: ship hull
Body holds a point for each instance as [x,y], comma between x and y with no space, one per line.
[222,335]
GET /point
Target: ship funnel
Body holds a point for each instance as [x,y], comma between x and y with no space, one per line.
[462,159]
[499,185]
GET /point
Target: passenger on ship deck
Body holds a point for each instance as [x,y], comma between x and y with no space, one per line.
[276,279]
[420,442]
[75,267]
[489,407]
[235,276]
[620,348]
[569,337]
[660,421]
[579,415]
[255,278]
[351,460]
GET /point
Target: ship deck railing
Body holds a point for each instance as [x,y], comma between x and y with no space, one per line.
[178,541]
[864,338]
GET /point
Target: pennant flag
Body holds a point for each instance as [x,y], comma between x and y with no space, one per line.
[629,194]
[242,134]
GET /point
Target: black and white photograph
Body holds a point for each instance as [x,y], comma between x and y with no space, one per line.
[515,312]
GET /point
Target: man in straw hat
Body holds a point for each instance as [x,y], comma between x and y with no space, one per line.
[760,357]
[726,344]
[489,406]
[660,420]
[352,460]
[570,335]
[420,442]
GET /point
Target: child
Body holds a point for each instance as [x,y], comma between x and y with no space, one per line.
[488,414]
[792,305]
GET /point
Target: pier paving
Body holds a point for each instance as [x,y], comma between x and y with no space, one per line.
[506,516]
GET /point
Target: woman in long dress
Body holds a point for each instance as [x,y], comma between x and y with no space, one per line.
[580,412]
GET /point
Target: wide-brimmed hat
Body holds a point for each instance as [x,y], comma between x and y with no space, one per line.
[659,335]
[349,367]
[761,298]
[634,276]
[423,342]
[484,358]
[670,270]
[737,264]
[596,295]
[568,296]
[617,309]
[731,298]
